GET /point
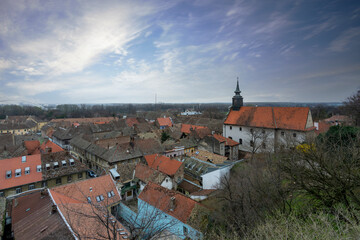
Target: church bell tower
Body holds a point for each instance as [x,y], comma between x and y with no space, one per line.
[237,100]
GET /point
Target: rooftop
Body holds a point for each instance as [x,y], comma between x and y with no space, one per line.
[165,122]
[32,218]
[163,164]
[13,165]
[227,141]
[208,156]
[292,118]
[160,198]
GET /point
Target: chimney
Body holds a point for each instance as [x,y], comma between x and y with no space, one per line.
[90,189]
[53,209]
[172,203]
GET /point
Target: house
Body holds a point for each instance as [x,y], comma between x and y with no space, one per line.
[33,217]
[146,174]
[208,157]
[339,119]
[62,137]
[59,168]
[221,145]
[188,112]
[173,208]
[204,173]
[266,128]
[171,167]
[87,208]
[164,122]
[34,147]
[20,174]
[195,130]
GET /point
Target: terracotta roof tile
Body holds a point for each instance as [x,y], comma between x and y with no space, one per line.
[12,164]
[165,122]
[160,198]
[186,128]
[31,218]
[131,121]
[228,141]
[32,147]
[293,118]
[208,156]
[163,164]
[50,145]
[72,201]
[146,174]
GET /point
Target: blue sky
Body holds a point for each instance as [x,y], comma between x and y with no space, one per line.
[184,51]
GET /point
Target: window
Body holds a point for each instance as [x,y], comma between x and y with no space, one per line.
[240,129]
[89,199]
[101,198]
[294,134]
[109,195]
[282,133]
[38,168]
[80,175]
[263,131]
[58,181]
[129,194]
[72,162]
[240,141]
[230,137]
[56,165]
[251,130]
[63,162]
[2,194]
[8,174]
[230,127]
[185,230]
[18,172]
[27,170]
[251,143]
[31,186]
[112,193]
[47,166]
[69,178]
[44,184]
[18,190]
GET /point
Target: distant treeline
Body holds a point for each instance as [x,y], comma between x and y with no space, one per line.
[212,110]
[215,110]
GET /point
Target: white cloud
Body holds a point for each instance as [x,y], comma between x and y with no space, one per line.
[342,42]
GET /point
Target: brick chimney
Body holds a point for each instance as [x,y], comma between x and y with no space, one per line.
[172,203]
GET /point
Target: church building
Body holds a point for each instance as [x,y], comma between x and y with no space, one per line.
[266,128]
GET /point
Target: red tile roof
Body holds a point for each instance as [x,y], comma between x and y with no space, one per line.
[31,218]
[71,200]
[293,118]
[12,164]
[131,121]
[160,198]
[146,174]
[85,120]
[49,144]
[323,127]
[165,122]
[185,128]
[79,191]
[228,141]
[163,164]
[32,147]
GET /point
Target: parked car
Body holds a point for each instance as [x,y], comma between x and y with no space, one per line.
[91,174]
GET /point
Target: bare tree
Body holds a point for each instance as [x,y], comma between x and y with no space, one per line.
[102,219]
[260,140]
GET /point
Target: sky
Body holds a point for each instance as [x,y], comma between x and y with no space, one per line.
[58,52]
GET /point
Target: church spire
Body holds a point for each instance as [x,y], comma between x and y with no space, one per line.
[237,102]
[237,90]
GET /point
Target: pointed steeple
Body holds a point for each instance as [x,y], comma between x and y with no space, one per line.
[237,99]
[237,90]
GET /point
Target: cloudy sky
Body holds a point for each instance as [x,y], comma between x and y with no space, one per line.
[183,51]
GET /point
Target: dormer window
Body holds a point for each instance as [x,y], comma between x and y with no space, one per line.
[63,162]
[89,199]
[111,194]
[38,168]
[72,162]
[100,198]
[47,166]
[18,172]
[23,159]
[8,174]
[27,170]
[56,165]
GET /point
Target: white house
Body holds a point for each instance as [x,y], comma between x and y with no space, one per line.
[266,128]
